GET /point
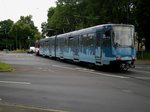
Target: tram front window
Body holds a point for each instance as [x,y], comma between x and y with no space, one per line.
[123,35]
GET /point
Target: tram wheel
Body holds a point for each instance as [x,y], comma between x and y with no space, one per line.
[124,67]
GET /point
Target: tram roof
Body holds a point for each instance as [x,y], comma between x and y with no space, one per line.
[89,30]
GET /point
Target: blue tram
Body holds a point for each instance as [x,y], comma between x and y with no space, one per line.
[108,44]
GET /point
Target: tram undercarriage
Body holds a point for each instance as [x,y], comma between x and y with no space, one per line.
[122,65]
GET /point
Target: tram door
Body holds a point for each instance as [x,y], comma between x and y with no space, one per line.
[76,48]
[98,50]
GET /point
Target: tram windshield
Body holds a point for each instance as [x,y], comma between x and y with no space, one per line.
[123,35]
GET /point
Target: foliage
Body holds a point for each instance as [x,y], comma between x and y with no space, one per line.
[6,39]
[44,29]
[24,32]
[143,17]
[71,15]
[145,55]
[19,35]
[62,18]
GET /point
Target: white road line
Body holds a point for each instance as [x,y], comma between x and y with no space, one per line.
[11,82]
[58,66]
[90,71]
[78,68]
[104,74]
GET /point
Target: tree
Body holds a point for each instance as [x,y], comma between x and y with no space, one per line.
[44,29]
[6,40]
[143,17]
[71,15]
[76,14]
[24,32]
[62,18]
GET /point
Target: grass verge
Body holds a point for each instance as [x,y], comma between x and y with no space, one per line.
[5,67]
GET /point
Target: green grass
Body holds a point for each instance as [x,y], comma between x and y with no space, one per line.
[144,56]
[5,67]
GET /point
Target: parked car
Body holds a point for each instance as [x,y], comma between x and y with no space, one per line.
[31,50]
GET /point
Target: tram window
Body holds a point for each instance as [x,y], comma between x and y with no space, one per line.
[52,42]
[98,38]
[106,38]
[66,42]
[84,40]
[49,42]
[62,42]
[56,41]
[80,41]
[70,39]
[91,39]
[46,44]
[108,34]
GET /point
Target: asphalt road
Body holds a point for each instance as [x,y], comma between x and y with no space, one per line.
[50,84]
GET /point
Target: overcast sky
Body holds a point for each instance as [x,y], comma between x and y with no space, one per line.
[13,9]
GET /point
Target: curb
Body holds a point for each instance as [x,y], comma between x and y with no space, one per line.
[5,107]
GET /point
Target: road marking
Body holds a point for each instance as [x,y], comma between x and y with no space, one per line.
[115,76]
[11,82]
[58,66]
[78,68]
[91,71]
[104,74]
[0,99]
